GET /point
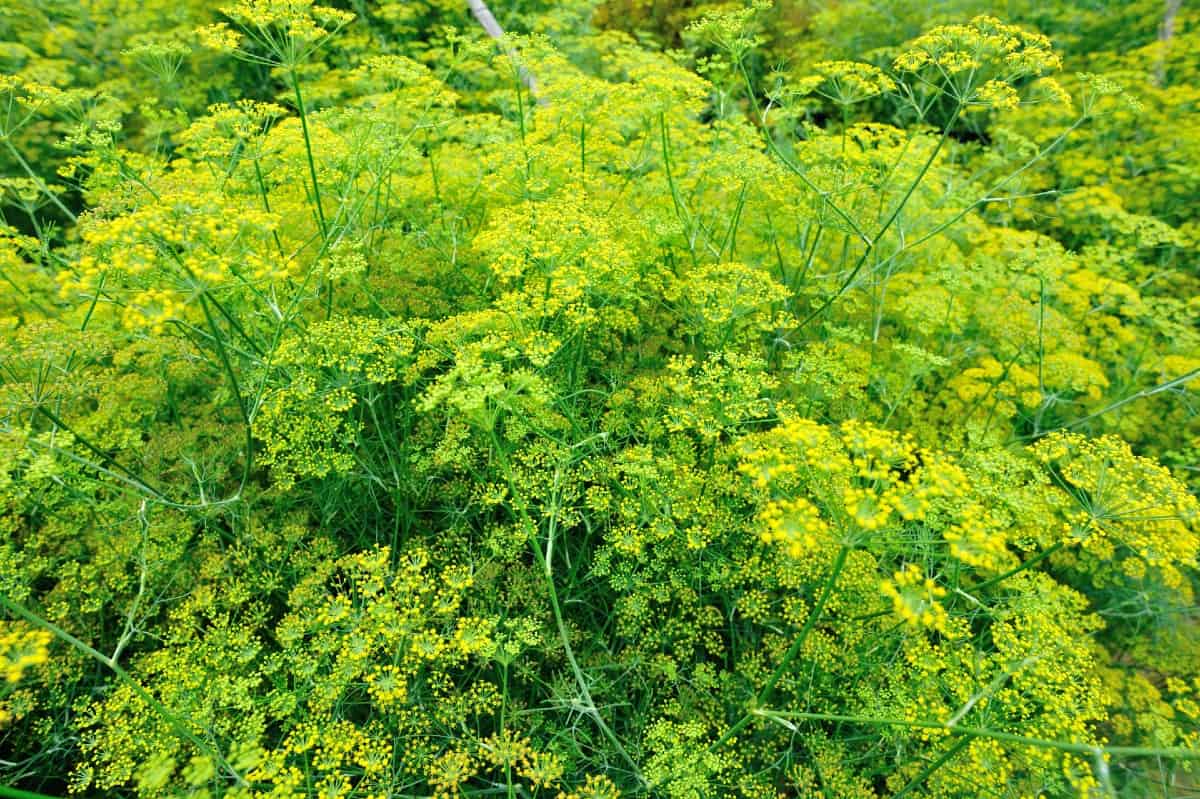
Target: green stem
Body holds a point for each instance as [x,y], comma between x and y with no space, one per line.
[1036,559]
[1174,382]
[133,477]
[591,708]
[871,244]
[925,773]
[174,721]
[1176,753]
[544,562]
[503,731]
[795,170]
[17,793]
[312,165]
[680,210]
[316,186]
[262,187]
[237,393]
[38,180]
[764,693]
[932,234]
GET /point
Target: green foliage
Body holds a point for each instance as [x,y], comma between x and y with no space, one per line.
[673,399]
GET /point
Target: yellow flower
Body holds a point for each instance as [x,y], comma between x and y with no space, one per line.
[915,598]
[796,524]
[22,650]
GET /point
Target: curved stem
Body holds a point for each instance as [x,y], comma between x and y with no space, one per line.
[591,708]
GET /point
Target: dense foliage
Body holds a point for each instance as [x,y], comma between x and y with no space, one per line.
[673,399]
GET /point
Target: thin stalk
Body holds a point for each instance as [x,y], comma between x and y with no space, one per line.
[1036,559]
[962,212]
[235,325]
[41,184]
[1174,753]
[237,393]
[129,475]
[592,710]
[312,165]
[17,793]
[503,706]
[262,187]
[730,240]
[795,170]
[925,773]
[764,693]
[174,721]
[680,210]
[139,487]
[936,231]
[316,185]
[543,560]
[127,634]
[1174,382]
[871,245]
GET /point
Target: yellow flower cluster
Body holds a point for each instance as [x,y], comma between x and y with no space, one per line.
[915,598]
[162,255]
[1121,506]
[978,539]
[851,82]
[21,650]
[983,64]
[862,474]
[983,42]
[595,786]
[795,524]
[290,31]
[779,456]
